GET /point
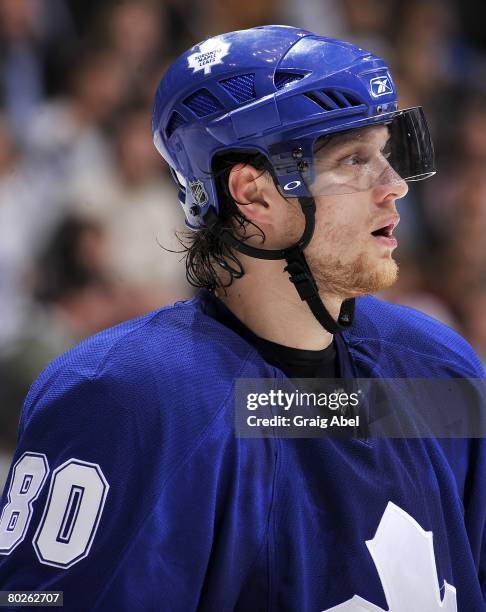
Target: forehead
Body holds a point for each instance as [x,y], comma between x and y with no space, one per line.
[375,135]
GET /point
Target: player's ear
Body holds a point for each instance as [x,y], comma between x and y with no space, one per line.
[248,188]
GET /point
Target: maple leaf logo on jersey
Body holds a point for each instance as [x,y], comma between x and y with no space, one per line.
[210,53]
[403,555]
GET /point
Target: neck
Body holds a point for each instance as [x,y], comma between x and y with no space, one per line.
[267,303]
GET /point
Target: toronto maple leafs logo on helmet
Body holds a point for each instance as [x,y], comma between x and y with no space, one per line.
[210,52]
[381,86]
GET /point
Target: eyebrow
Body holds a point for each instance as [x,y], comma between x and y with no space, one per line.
[342,138]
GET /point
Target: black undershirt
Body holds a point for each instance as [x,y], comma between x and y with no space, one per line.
[294,363]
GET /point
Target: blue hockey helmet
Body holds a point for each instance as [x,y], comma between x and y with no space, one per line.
[284,93]
[279,91]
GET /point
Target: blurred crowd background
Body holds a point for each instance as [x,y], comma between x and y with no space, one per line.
[87,205]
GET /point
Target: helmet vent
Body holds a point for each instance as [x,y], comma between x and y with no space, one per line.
[202,103]
[282,79]
[334,99]
[175,121]
[241,87]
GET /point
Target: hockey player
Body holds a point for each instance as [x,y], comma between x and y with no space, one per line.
[129,489]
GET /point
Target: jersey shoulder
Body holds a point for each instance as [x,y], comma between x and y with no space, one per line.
[174,356]
[392,334]
[173,335]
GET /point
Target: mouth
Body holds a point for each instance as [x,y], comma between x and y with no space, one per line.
[385,233]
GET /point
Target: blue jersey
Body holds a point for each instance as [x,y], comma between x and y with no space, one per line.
[130,491]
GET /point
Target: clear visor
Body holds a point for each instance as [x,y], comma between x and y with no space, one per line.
[364,158]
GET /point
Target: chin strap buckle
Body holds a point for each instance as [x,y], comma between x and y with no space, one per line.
[301,277]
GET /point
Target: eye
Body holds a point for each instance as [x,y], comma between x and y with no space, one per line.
[353,160]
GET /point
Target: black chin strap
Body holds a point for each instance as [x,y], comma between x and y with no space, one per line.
[297,267]
[302,279]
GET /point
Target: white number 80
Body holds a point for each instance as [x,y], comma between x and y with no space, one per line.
[75,502]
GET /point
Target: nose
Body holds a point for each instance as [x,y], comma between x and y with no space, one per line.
[391,187]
